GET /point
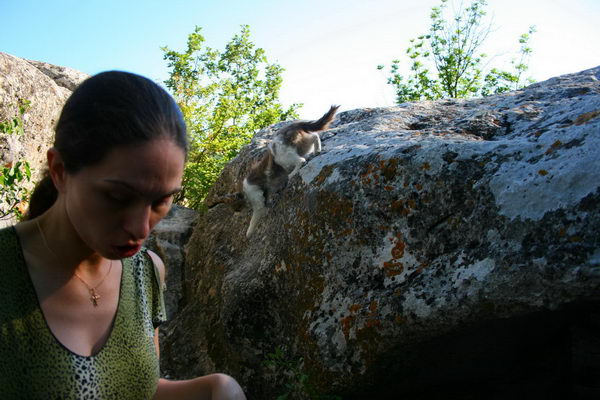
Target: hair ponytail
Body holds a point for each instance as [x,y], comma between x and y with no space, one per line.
[42,198]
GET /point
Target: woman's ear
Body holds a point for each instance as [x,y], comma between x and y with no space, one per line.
[56,169]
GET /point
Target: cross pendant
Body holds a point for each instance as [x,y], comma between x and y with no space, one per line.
[94,297]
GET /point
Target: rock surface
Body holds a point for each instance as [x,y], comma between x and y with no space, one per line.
[167,240]
[429,246]
[46,87]
[64,77]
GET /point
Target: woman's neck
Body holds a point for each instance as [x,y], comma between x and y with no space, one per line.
[58,243]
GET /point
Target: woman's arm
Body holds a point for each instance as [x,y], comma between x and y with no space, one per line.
[210,387]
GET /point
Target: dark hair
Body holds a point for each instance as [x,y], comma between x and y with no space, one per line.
[109,110]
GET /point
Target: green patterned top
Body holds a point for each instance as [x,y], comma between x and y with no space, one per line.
[35,365]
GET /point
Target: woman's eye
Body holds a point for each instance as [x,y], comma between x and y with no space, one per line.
[164,201]
[118,198]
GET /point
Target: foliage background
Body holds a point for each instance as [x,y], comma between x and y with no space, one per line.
[448,62]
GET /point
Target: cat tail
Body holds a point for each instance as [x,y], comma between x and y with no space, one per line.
[320,124]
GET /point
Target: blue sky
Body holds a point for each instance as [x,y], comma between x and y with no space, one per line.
[330,49]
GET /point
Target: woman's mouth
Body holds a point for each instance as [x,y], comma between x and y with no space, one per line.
[127,250]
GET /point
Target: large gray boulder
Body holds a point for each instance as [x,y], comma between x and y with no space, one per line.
[446,248]
[46,87]
[65,77]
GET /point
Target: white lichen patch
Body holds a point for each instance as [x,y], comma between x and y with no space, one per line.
[416,305]
[495,239]
[344,147]
[464,277]
[326,323]
[528,190]
[334,177]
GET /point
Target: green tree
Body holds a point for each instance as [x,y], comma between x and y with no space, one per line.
[225,96]
[452,48]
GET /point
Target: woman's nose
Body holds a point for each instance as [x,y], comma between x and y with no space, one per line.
[138,222]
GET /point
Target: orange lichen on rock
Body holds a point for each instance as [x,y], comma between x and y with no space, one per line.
[392,268]
[346,232]
[366,176]
[553,147]
[323,175]
[355,307]
[398,249]
[383,170]
[346,325]
[398,207]
[587,117]
[403,207]
[373,307]
[389,169]
[373,323]
[335,209]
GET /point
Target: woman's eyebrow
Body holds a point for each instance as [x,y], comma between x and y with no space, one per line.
[136,190]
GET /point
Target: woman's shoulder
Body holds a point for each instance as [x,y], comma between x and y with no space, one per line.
[148,263]
[159,265]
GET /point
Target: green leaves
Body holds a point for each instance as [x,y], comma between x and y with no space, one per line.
[13,194]
[226,97]
[14,126]
[450,49]
[14,175]
[290,378]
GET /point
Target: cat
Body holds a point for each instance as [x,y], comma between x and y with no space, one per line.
[294,142]
[283,158]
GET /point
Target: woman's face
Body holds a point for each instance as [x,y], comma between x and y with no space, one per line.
[114,205]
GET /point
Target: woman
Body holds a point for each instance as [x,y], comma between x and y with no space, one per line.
[80,304]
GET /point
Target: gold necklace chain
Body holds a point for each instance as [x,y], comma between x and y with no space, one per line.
[94,296]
